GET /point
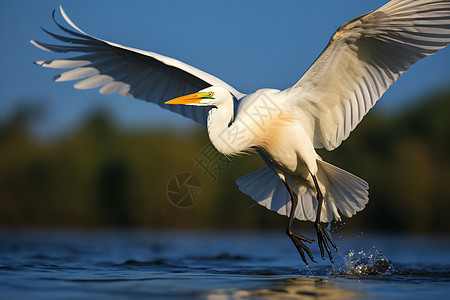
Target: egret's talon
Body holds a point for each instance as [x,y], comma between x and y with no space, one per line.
[301,247]
[322,239]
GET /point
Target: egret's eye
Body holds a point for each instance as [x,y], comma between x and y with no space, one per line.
[210,94]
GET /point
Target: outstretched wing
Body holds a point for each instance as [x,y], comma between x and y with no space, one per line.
[130,72]
[363,58]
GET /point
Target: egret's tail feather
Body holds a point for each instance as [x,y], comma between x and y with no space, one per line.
[343,192]
[266,188]
[347,192]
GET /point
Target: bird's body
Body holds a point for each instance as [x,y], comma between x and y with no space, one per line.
[267,122]
[362,59]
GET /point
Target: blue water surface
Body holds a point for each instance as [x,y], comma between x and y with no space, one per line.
[145,264]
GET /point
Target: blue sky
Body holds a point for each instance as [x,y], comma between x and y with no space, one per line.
[249,44]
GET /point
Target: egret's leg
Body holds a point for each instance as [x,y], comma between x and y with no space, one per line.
[296,238]
[322,234]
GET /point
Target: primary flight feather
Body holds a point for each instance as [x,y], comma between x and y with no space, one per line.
[362,59]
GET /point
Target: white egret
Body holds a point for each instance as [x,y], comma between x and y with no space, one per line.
[362,59]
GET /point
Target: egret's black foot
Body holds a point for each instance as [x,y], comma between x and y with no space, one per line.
[301,248]
[322,239]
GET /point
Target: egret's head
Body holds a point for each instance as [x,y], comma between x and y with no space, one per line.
[211,96]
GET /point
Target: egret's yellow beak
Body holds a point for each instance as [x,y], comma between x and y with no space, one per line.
[191,99]
[188,99]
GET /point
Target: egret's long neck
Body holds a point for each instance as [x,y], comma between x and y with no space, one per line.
[225,138]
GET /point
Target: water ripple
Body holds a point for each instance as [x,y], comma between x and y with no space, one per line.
[188,265]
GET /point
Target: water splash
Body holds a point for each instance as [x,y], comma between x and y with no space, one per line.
[372,262]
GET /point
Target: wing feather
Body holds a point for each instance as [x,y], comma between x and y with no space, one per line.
[363,58]
[130,72]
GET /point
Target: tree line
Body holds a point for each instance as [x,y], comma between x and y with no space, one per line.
[103,176]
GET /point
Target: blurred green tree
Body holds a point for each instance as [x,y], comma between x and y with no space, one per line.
[101,175]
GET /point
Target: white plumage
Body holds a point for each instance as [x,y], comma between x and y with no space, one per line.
[347,193]
[130,72]
[363,58]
